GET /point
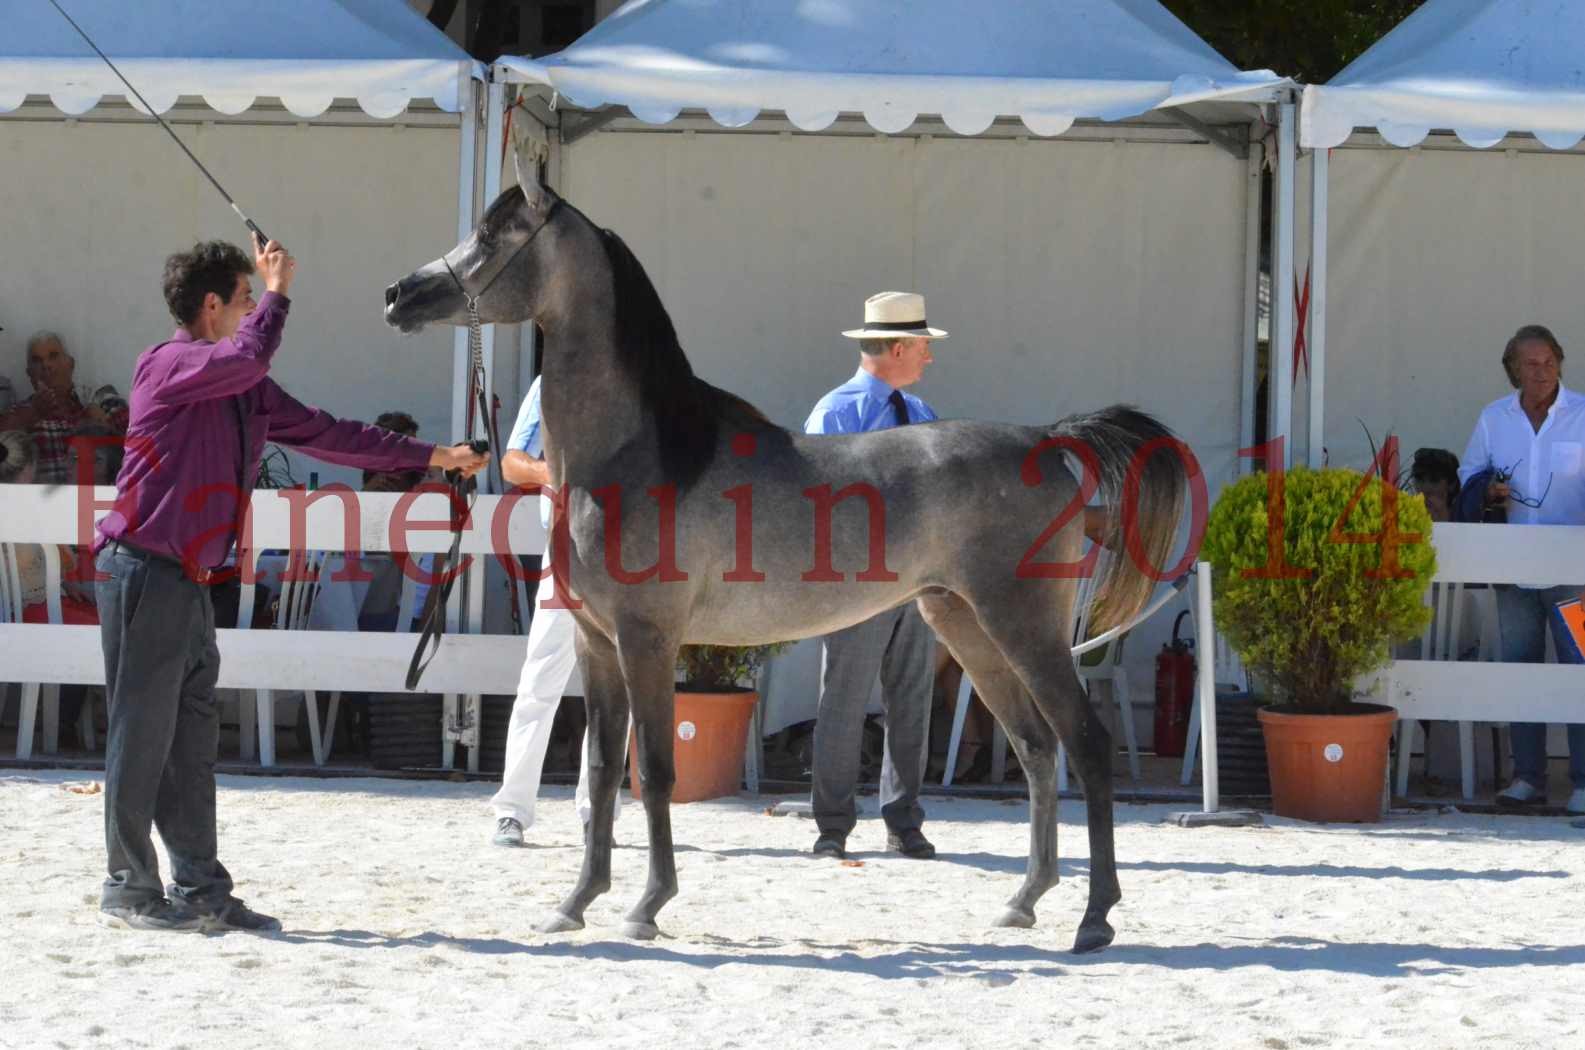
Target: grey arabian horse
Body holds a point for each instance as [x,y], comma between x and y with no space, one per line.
[686,517]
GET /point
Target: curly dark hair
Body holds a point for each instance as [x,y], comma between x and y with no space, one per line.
[398,421]
[1433,465]
[212,266]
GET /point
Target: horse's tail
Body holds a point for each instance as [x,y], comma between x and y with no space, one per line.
[1148,487]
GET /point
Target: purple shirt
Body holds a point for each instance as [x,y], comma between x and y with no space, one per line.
[176,495]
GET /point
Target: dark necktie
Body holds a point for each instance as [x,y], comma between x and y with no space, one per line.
[900,407]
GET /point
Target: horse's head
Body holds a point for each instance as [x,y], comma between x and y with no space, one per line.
[500,265]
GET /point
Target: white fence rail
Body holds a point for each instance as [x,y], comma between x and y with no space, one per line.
[468,665]
[1440,687]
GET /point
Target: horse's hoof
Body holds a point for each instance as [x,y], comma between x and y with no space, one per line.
[1093,937]
[560,923]
[640,931]
[1021,918]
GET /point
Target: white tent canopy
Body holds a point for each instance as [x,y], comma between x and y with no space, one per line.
[1482,68]
[1046,62]
[305,52]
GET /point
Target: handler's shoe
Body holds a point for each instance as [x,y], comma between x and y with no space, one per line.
[910,843]
[834,846]
[1521,793]
[234,915]
[158,914]
[508,832]
[1576,802]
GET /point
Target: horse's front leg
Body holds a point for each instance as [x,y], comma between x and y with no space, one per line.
[606,741]
[649,659]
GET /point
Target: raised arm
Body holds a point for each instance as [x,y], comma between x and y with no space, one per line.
[183,372]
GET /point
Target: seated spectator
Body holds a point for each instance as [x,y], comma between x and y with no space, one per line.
[1434,474]
[55,409]
[107,447]
[381,604]
[17,458]
[18,462]
[395,480]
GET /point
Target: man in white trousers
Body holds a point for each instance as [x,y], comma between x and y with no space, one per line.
[549,663]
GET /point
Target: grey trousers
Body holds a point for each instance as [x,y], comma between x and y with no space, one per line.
[158,631]
[900,647]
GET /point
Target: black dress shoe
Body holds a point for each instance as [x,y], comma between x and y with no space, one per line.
[831,846]
[910,843]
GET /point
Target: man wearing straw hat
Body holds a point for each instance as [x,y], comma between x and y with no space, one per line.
[894,351]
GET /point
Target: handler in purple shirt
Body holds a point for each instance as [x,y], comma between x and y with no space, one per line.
[202,407]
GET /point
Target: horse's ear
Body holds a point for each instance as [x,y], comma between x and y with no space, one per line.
[535,195]
[517,165]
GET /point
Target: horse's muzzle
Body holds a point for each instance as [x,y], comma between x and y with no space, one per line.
[420,298]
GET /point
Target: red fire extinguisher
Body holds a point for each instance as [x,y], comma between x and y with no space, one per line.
[1174,692]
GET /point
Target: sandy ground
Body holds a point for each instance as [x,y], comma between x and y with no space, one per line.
[405,928]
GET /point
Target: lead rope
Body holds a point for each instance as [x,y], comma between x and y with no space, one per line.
[463,490]
[432,622]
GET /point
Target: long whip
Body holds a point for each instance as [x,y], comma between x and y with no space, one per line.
[249,223]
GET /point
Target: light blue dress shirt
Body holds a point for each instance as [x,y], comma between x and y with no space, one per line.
[527,437]
[860,405]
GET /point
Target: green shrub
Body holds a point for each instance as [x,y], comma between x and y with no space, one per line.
[1311,638]
[721,668]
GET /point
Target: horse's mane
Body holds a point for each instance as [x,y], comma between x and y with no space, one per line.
[688,412]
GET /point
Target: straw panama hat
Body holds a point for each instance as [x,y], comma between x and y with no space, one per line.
[895,315]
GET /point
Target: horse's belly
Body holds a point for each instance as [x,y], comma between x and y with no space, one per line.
[758,615]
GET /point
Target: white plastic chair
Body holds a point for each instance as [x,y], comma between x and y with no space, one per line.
[11,612]
[1108,669]
[1441,642]
[38,695]
[296,602]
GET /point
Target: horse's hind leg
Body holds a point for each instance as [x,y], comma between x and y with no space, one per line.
[648,666]
[1031,735]
[1028,635]
[606,700]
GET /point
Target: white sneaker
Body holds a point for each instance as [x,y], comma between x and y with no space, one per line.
[1576,803]
[508,832]
[1522,793]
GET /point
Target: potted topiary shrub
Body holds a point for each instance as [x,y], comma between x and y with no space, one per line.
[1316,574]
[711,722]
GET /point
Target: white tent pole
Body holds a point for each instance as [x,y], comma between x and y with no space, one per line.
[1281,367]
[494,129]
[1210,774]
[1317,326]
[1247,361]
[465,191]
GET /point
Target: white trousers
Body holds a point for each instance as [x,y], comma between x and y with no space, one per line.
[546,669]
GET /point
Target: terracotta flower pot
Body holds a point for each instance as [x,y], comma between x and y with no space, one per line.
[708,737]
[1328,767]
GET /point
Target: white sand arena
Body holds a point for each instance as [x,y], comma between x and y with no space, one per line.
[406,928]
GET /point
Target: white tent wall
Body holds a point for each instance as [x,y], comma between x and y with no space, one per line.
[1071,274]
[1437,256]
[100,205]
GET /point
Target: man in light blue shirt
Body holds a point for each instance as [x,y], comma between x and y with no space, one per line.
[897,645]
[550,660]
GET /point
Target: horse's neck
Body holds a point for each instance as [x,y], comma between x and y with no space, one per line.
[591,405]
